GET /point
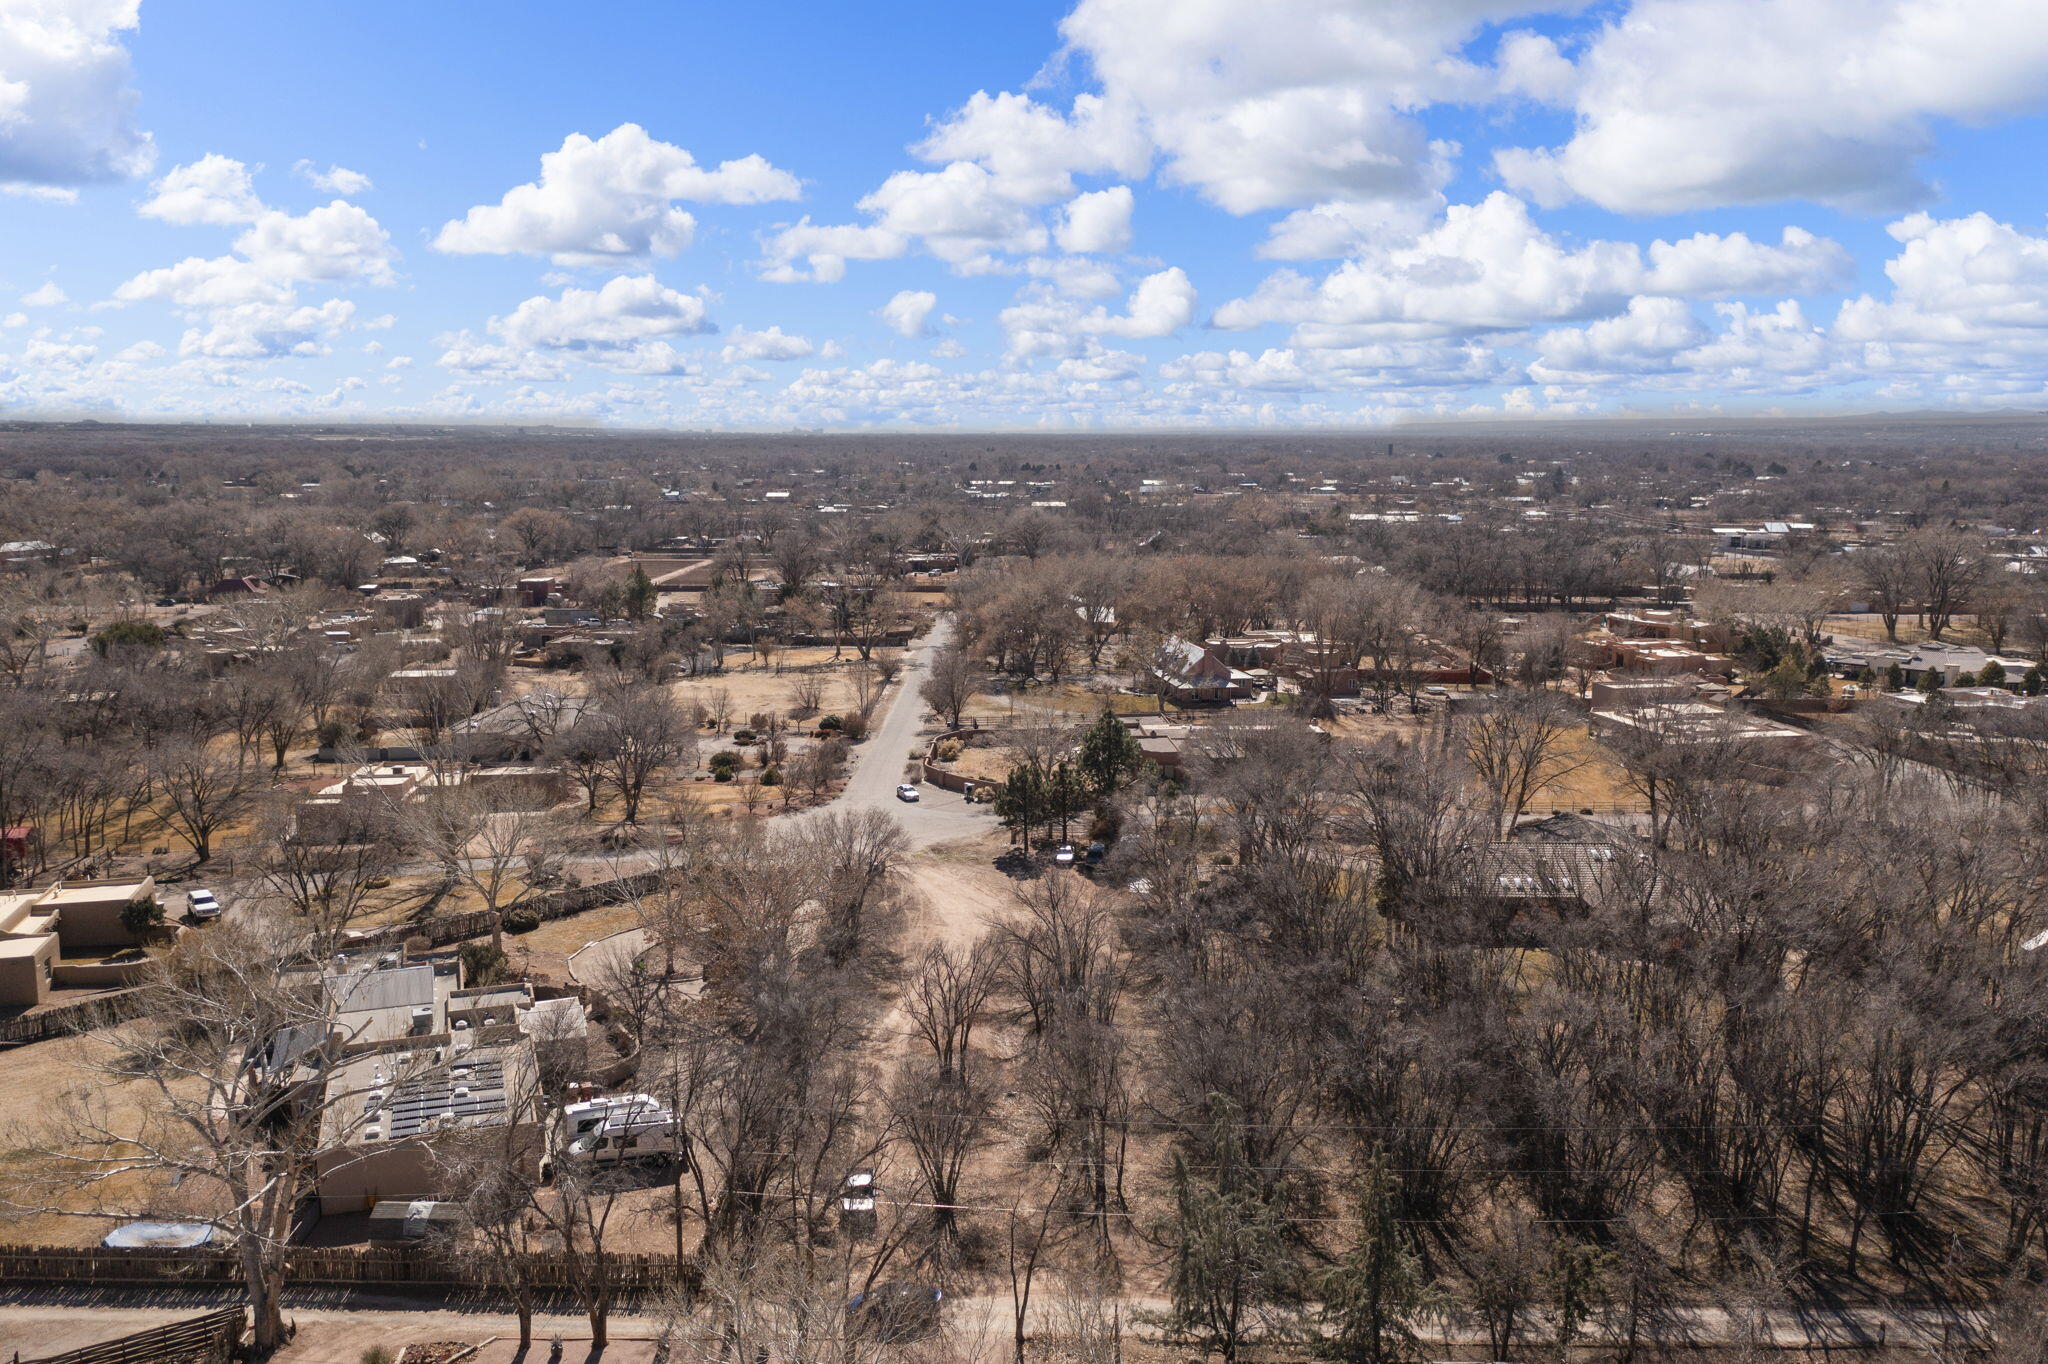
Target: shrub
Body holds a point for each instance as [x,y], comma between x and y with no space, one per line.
[140,634]
[771,777]
[522,919]
[743,736]
[949,750]
[831,722]
[854,727]
[142,914]
[483,964]
[722,773]
[377,1354]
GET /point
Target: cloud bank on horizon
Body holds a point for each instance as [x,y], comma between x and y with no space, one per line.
[1125,213]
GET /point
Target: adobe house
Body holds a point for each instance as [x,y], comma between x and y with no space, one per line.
[38,926]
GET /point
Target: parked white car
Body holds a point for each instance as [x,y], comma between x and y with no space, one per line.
[908,792]
[1064,855]
[202,906]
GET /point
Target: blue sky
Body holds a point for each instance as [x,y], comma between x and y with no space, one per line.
[1108,213]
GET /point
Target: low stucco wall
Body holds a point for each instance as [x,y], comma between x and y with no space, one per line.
[100,975]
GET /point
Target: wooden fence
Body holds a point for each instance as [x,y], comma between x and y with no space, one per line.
[65,1019]
[443,929]
[326,1266]
[207,1339]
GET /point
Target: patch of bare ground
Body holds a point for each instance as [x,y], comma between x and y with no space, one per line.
[958,891]
[45,1077]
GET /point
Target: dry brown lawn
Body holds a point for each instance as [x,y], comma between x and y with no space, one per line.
[1963,630]
[1598,784]
[547,949]
[55,1073]
[983,764]
[768,690]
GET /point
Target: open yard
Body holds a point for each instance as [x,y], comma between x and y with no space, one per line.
[751,688]
[57,1074]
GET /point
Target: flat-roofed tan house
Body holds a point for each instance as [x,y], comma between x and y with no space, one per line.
[412,1063]
[387,1112]
[352,809]
[37,927]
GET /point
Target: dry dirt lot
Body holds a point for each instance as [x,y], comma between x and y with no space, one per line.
[46,1077]
[546,950]
[958,891]
[1962,630]
[1595,782]
[768,689]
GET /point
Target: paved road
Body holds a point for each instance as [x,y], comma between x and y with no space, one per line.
[878,766]
[880,763]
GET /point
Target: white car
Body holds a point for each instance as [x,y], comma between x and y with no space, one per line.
[1064,855]
[201,905]
[907,791]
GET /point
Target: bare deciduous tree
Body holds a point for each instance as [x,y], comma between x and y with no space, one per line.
[1520,748]
[200,792]
[218,1136]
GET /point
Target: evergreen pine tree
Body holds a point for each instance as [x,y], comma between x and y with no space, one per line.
[1109,755]
[1372,1296]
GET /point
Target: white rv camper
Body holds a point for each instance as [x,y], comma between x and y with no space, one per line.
[617,1128]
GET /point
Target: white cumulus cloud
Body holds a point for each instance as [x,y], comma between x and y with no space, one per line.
[611,198]
[627,310]
[773,343]
[67,111]
[214,189]
[1286,102]
[1045,324]
[1688,104]
[1035,150]
[1096,223]
[334,180]
[961,213]
[249,300]
[907,312]
[1489,267]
